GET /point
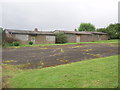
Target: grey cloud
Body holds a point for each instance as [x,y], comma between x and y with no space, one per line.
[53,15]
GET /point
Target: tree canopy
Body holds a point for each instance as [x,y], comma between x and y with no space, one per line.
[113,30]
[102,30]
[86,27]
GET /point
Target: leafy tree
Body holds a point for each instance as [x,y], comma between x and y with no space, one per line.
[86,27]
[61,38]
[114,31]
[102,30]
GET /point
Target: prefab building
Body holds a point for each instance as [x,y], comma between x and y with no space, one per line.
[43,37]
[25,36]
[100,36]
[76,37]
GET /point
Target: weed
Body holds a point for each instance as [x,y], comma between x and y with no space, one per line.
[96,55]
[86,50]
[62,50]
[9,61]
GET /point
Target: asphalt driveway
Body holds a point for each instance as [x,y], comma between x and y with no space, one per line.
[46,56]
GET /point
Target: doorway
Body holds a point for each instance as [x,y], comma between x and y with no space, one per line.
[33,39]
[77,38]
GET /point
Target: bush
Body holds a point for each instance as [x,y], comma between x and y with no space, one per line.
[5,45]
[61,38]
[30,43]
[10,44]
[16,43]
[10,40]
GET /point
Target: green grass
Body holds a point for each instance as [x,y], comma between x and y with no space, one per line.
[114,41]
[100,41]
[95,73]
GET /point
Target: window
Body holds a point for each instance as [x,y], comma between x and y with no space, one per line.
[22,37]
[50,38]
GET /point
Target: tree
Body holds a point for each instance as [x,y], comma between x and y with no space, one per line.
[114,31]
[86,27]
[61,38]
[102,30]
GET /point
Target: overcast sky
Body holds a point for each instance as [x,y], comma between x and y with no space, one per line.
[57,14]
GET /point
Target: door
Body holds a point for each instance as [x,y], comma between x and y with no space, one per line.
[99,37]
[33,39]
[77,39]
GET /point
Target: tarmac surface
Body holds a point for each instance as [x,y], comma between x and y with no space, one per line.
[46,56]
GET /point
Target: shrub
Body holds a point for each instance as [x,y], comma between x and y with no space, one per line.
[61,38]
[10,40]
[30,43]
[16,43]
[10,44]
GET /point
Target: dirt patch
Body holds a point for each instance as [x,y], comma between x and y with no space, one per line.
[45,56]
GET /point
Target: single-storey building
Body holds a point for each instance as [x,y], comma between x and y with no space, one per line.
[75,36]
[49,37]
[25,36]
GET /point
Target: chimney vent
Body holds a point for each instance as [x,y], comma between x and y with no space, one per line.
[36,29]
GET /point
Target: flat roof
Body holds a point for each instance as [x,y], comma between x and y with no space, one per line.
[78,32]
[29,32]
[51,32]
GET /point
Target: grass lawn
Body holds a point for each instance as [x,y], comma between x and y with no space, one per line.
[95,73]
[114,41]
